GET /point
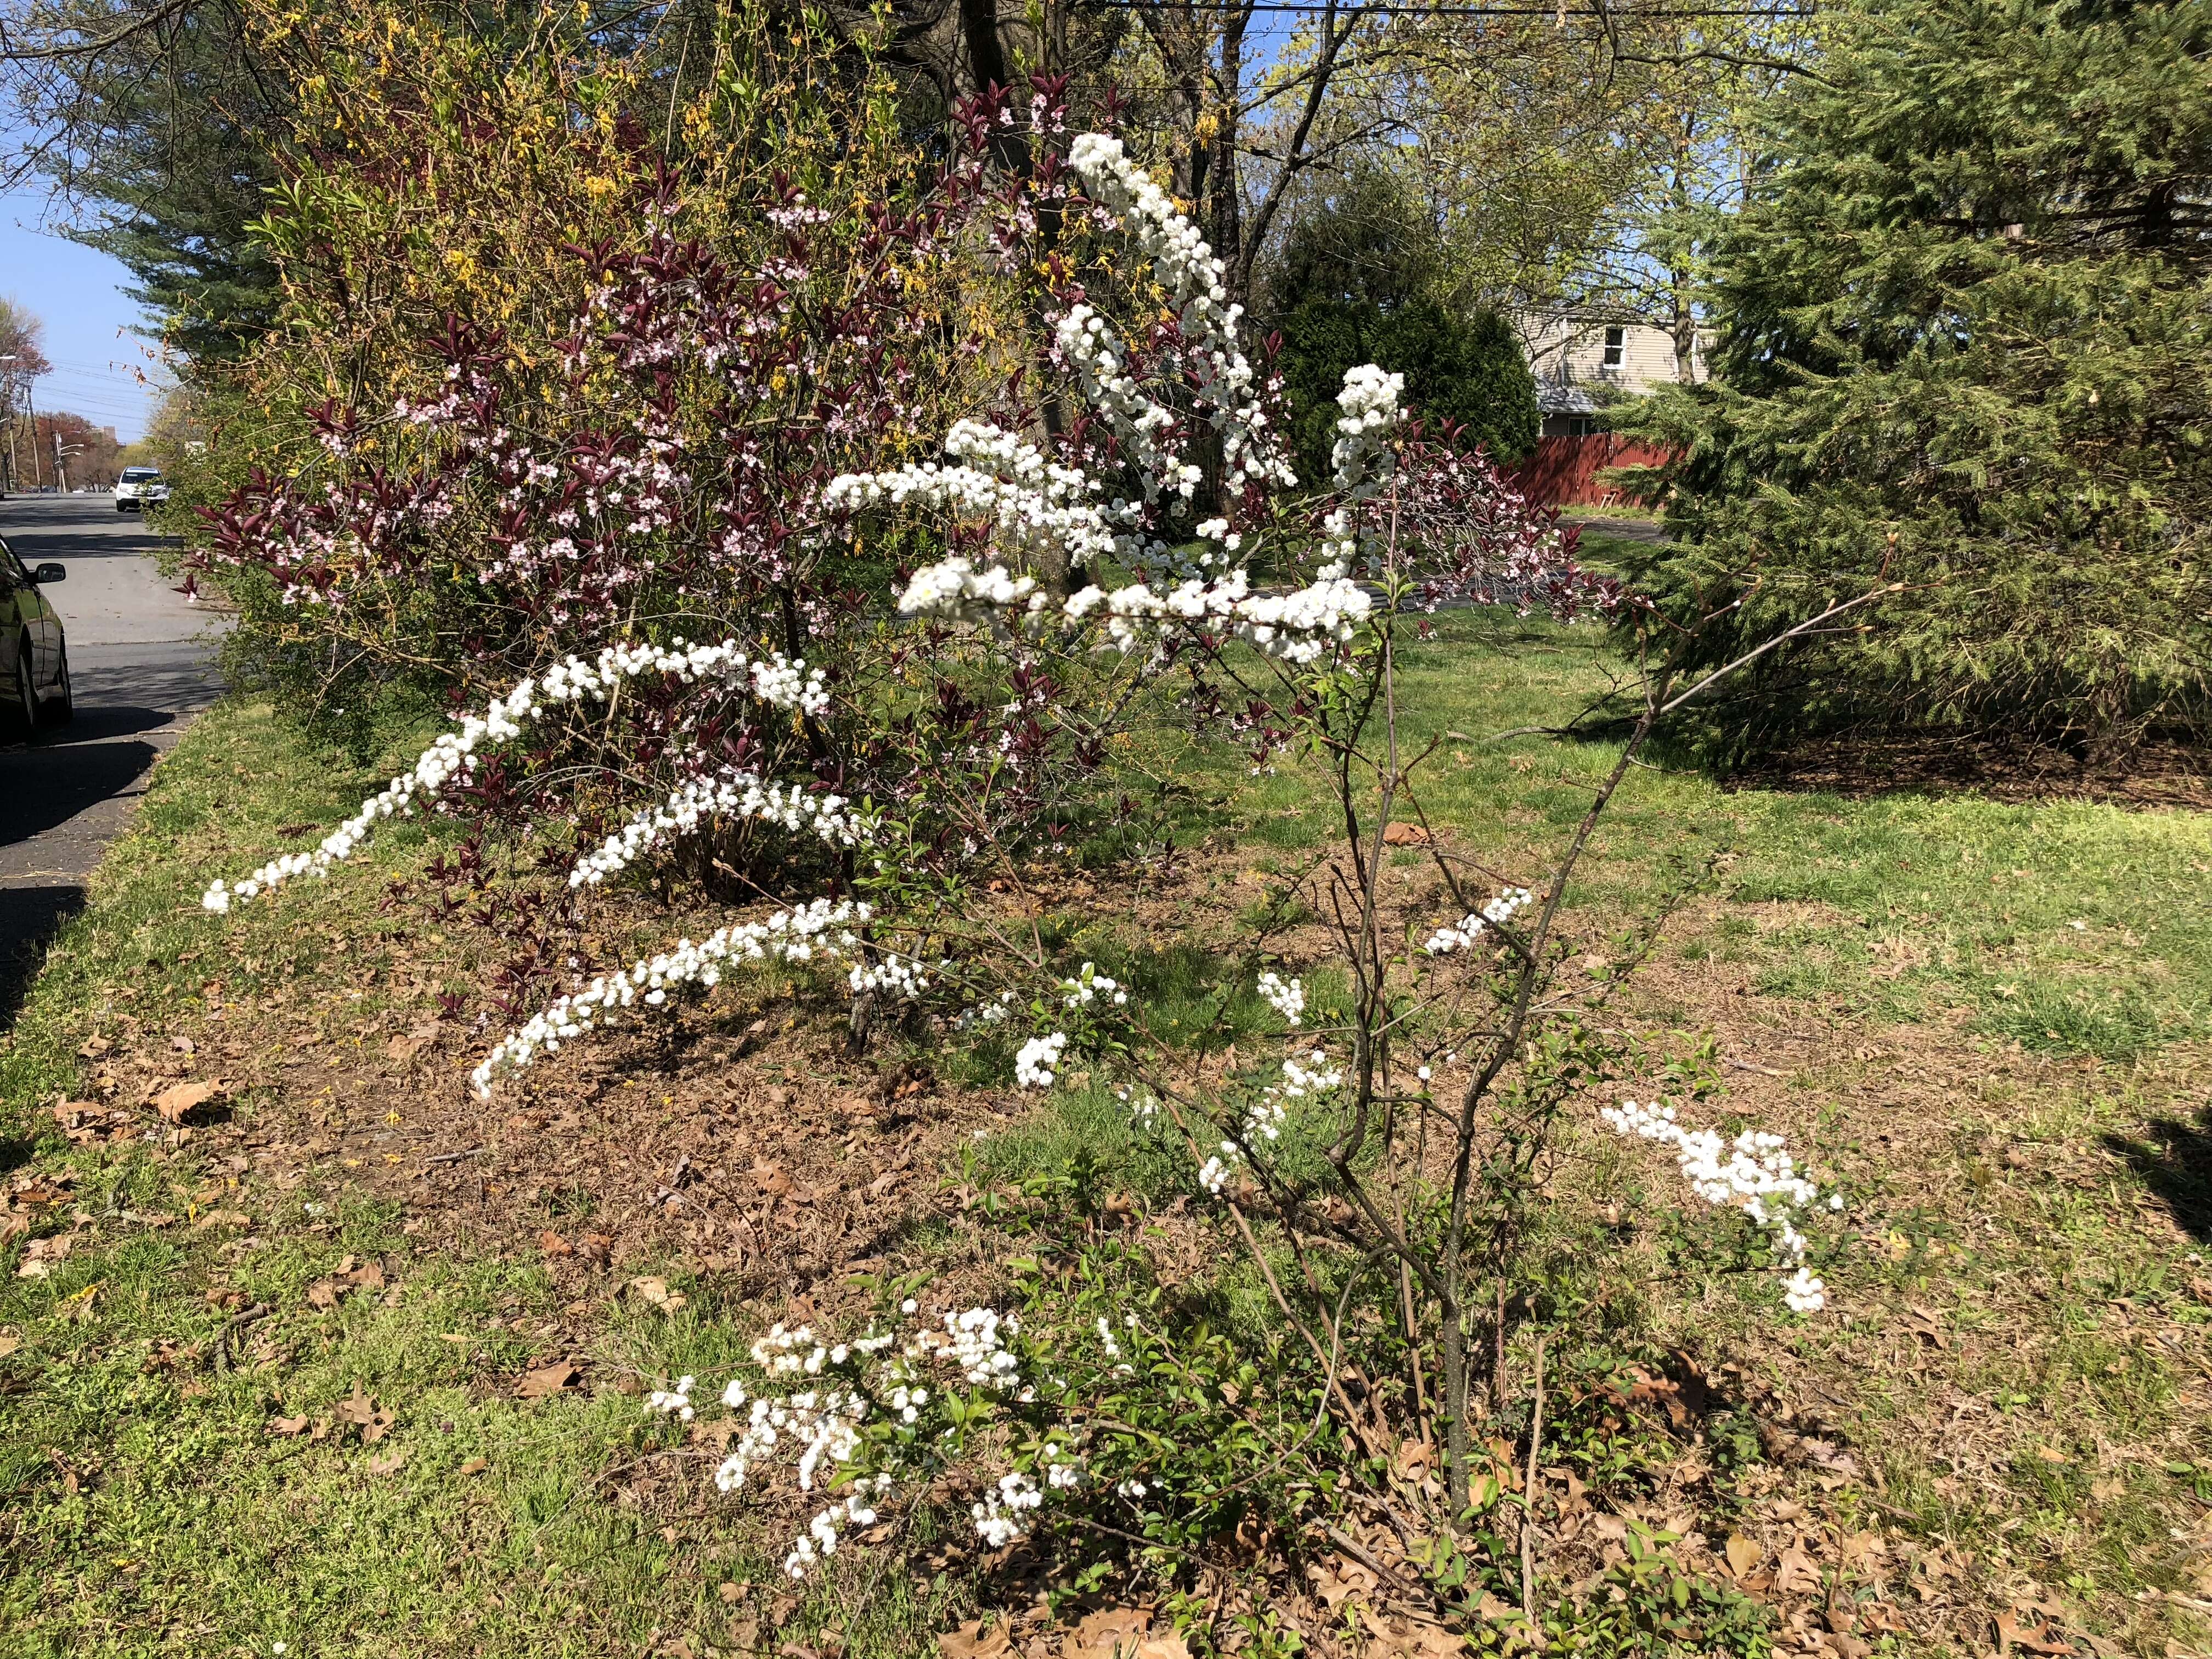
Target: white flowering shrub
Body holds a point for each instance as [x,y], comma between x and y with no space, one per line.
[1403,1136]
[862,1429]
[1754,1174]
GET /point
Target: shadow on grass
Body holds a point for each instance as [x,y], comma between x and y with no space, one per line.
[2174,1160]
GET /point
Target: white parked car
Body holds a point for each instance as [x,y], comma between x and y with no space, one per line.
[140,487]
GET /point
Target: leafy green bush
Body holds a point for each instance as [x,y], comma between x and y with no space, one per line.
[1961,334]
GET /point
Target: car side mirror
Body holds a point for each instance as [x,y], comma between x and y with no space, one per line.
[50,573]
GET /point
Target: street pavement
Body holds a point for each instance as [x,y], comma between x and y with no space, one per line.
[142,662]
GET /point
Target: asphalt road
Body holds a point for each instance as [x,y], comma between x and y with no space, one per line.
[142,662]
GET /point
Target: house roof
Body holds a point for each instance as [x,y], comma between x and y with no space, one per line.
[1558,397]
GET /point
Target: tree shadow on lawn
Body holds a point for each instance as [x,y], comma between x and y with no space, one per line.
[2174,1159]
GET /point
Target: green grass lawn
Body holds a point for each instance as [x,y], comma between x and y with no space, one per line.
[2009,1001]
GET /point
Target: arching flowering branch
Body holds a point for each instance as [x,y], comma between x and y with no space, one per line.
[452,759]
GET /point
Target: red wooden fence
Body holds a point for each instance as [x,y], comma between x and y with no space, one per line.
[1563,472]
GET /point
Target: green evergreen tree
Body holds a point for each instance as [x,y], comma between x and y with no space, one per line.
[1357,280]
[1963,342]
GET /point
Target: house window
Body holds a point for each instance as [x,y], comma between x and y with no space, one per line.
[1616,345]
[1568,426]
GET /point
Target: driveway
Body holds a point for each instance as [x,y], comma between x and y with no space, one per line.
[142,662]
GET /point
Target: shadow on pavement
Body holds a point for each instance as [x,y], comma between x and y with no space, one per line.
[29,919]
[98,725]
[41,788]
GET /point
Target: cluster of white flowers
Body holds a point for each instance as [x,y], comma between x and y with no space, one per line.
[1287,999]
[901,976]
[676,1400]
[1144,1106]
[1297,626]
[977,1344]
[995,1012]
[788,682]
[735,795]
[1372,402]
[1090,985]
[1002,1516]
[1034,1067]
[960,590]
[454,754]
[1755,1173]
[1035,504]
[818,928]
[1184,266]
[821,1430]
[1298,1081]
[1463,935]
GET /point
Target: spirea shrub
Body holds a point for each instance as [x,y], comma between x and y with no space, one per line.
[713,650]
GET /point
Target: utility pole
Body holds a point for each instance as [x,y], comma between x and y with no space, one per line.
[8,372]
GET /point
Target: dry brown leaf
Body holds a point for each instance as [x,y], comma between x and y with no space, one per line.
[1795,1573]
[656,1292]
[390,1463]
[9,1343]
[1167,1645]
[972,1641]
[175,1103]
[547,1380]
[41,1255]
[475,1466]
[2106,1490]
[1405,835]
[554,1245]
[1742,1554]
[1413,1460]
[358,1408]
[285,1427]
[1337,1578]
[323,1293]
[1862,1549]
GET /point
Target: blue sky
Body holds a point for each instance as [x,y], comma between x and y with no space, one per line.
[78,294]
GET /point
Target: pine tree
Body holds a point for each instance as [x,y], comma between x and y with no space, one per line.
[1964,342]
[1358,281]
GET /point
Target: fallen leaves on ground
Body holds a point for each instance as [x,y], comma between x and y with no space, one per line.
[178,1100]
[360,1410]
[42,1256]
[656,1292]
[547,1380]
[972,1641]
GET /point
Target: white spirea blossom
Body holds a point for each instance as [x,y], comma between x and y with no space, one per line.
[1297,626]
[1090,985]
[738,795]
[817,929]
[1363,460]
[1463,934]
[1755,1173]
[454,754]
[1036,505]
[1286,998]
[1036,1066]
[1186,268]
[868,1412]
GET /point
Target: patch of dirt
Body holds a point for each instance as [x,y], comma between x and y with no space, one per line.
[2154,775]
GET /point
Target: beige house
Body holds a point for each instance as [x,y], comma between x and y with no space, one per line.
[1584,359]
